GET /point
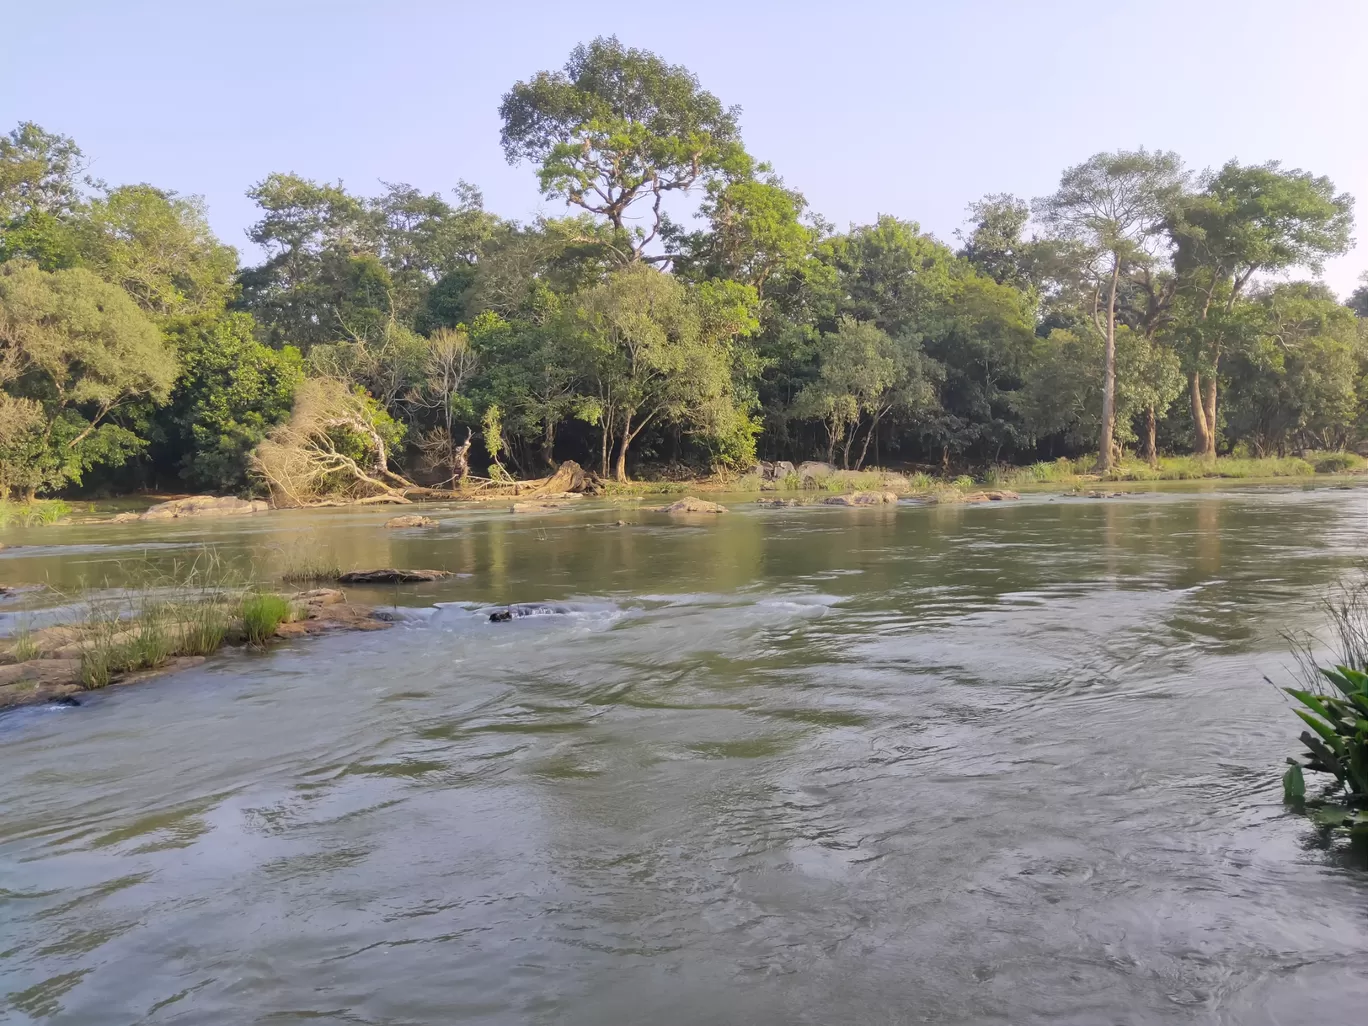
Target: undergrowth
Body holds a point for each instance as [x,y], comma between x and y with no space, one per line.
[37,513]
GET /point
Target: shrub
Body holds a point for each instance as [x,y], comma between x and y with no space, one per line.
[38,513]
[262,613]
[920,482]
[1337,462]
[962,483]
[1337,743]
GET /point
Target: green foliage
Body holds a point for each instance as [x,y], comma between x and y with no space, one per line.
[620,125]
[158,248]
[1337,463]
[1336,744]
[660,351]
[40,190]
[231,392]
[261,613]
[72,350]
[38,512]
[383,337]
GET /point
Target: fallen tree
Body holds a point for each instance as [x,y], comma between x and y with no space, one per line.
[331,450]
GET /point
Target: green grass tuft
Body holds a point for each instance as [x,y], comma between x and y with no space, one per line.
[262,613]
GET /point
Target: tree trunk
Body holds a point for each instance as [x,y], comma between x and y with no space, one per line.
[849,441]
[831,443]
[1211,416]
[1201,435]
[1151,453]
[607,441]
[621,474]
[864,449]
[548,443]
[1104,444]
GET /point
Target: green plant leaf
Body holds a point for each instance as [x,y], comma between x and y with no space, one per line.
[1294,785]
[1312,702]
[1331,738]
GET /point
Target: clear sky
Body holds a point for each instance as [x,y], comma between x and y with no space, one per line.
[907,108]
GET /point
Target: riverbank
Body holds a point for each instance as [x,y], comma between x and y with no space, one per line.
[1062,476]
[105,648]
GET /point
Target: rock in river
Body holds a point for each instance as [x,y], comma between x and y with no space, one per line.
[412,520]
[690,505]
[862,499]
[204,506]
[517,612]
[390,575]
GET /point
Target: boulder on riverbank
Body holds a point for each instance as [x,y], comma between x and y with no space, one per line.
[862,499]
[689,504]
[391,575]
[813,472]
[412,520]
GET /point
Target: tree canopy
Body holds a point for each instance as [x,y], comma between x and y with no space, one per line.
[686,310]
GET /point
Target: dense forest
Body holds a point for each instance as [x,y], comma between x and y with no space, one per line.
[689,312]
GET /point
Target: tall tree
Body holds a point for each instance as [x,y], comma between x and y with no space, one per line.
[617,126]
[158,247]
[232,391]
[1116,206]
[662,352]
[41,175]
[755,229]
[1358,300]
[995,245]
[1247,220]
[73,349]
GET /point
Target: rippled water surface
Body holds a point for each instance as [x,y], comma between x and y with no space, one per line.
[1006,764]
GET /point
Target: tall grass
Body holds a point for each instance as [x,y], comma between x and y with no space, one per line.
[38,513]
[185,610]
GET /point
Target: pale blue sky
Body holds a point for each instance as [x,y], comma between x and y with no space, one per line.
[912,109]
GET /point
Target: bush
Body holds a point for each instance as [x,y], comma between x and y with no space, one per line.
[1337,462]
[40,512]
[261,614]
[1337,743]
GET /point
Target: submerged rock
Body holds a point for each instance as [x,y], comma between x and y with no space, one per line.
[411,520]
[862,499]
[546,505]
[778,503]
[391,575]
[689,504]
[200,506]
[994,496]
[517,612]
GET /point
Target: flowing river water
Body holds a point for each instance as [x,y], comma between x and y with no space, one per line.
[997,764]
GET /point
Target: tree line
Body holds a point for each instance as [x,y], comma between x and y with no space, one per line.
[689,309]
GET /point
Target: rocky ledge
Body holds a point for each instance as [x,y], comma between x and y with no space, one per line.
[690,505]
[196,506]
[52,673]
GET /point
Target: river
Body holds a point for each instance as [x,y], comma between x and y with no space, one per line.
[1013,763]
